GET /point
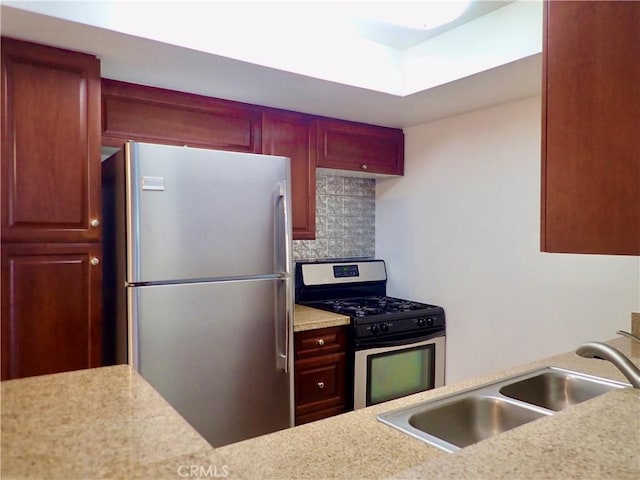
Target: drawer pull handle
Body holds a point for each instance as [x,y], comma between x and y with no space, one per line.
[320,385]
[320,341]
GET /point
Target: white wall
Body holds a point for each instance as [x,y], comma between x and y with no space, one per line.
[461,229]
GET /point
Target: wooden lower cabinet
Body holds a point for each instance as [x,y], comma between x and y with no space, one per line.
[51,308]
[320,374]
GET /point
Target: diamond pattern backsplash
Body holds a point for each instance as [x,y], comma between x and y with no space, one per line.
[345,219]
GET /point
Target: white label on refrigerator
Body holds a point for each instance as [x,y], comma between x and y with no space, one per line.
[153,183]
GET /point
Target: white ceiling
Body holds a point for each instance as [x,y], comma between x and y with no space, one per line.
[394,85]
[402,38]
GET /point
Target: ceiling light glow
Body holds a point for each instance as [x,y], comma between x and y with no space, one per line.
[423,15]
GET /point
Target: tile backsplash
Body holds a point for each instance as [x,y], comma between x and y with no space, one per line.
[345,219]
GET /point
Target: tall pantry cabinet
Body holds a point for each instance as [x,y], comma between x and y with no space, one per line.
[51,232]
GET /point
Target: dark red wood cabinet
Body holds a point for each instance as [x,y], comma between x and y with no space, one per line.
[156,115]
[358,147]
[50,163]
[591,128]
[293,135]
[50,144]
[320,376]
[50,308]
[147,114]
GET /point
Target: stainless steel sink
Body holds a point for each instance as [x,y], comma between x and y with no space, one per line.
[473,419]
[557,389]
[467,417]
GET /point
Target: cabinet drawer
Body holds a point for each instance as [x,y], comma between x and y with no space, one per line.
[320,342]
[320,383]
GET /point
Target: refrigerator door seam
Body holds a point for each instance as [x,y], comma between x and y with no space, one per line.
[132,206]
[248,278]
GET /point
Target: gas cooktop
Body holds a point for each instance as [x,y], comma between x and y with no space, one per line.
[372,305]
[357,288]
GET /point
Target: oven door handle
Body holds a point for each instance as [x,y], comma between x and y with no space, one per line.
[397,341]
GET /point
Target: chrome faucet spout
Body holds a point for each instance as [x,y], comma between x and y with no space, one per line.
[629,335]
[615,356]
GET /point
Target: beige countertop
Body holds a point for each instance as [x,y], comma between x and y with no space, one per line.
[109,423]
[599,438]
[306,318]
[100,423]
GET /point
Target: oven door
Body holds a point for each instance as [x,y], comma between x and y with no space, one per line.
[392,371]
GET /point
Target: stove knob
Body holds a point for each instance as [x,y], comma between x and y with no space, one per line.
[429,320]
[421,322]
[375,329]
[384,327]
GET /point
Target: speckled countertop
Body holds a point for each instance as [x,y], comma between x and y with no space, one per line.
[109,423]
[599,438]
[92,424]
[306,318]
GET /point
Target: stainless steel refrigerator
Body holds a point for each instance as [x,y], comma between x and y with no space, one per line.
[198,283]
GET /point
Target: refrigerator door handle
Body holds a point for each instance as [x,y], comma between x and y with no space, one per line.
[283,318]
[284,315]
[284,229]
[133,347]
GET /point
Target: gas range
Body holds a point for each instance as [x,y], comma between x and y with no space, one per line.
[396,346]
[358,289]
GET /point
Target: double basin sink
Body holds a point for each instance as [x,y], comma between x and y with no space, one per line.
[464,418]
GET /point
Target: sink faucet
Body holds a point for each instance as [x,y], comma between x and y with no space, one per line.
[629,335]
[607,352]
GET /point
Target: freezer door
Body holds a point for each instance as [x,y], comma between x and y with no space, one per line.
[215,352]
[202,214]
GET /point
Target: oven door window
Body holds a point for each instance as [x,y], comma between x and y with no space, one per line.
[398,373]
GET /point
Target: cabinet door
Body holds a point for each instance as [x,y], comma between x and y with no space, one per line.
[51,308]
[50,144]
[155,115]
[320,384]
[320,373]
[591,128]
[358,147]
[292,135]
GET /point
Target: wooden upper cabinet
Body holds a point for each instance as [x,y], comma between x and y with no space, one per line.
[51,308]
[293,135]
[155,115]
[591,128]
[358,147]
[50,144]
